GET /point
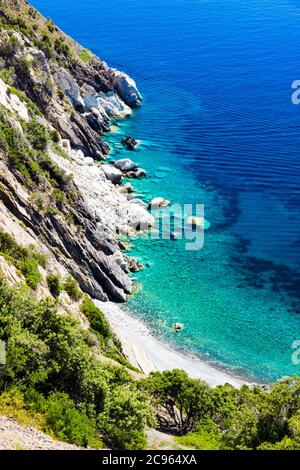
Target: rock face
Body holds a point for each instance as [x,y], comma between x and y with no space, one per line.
[87,255]
[73,100]
[126,88]
[69,86]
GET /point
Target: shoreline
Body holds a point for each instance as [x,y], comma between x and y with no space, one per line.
[149,353]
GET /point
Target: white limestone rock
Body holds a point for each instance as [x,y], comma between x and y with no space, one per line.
[12,102]
[108,104]
[112,174]
[125,165]
[140,218]
[70,87]
[125,87]
[88,161]
[139,202]
[158,202]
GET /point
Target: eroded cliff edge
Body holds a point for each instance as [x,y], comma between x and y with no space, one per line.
[56,102]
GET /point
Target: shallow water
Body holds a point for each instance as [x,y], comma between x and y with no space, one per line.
[217,127]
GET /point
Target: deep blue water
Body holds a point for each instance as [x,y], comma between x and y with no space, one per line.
[219,128]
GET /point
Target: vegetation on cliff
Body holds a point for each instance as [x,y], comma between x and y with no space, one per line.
[52,370]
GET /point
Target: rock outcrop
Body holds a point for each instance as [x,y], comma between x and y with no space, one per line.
[126,87]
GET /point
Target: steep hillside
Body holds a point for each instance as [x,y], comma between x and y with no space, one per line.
[56,100]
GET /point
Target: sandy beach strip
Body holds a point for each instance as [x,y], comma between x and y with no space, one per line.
[148,353]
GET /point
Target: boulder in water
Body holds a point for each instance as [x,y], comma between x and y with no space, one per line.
[139,173]
[129,142]
[158,202]
[177,327]
[125,165]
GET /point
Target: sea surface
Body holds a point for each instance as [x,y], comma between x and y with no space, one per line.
[217,127]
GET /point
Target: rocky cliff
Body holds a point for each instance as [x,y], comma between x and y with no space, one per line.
[57,100]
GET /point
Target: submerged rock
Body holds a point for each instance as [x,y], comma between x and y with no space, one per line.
[128,187]
[198,222]
[134,265]
[178,326]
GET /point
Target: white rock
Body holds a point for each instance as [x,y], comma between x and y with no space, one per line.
[128,187]
[107,104]
[113,105]
[139,218]
[69,87]
[125,165]
[119,259]
[88,161]
[112,174]
[126,87]
[158,202]
[139,202]
[93,170]
[77,155]
[12,102]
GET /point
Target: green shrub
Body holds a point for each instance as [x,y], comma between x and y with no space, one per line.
[71,287]
[55,136]
[126,415]
[7,75]
[174,390]
[61,47]
[13,405]
[67,422]
[86,55]
[37,134]
[50,25]
[30,271]
[59,150]
[41,258]
[53,281]
[25,259]
[97,319]
[207,437]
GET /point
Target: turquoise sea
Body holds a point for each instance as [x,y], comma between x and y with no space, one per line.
[217,127]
